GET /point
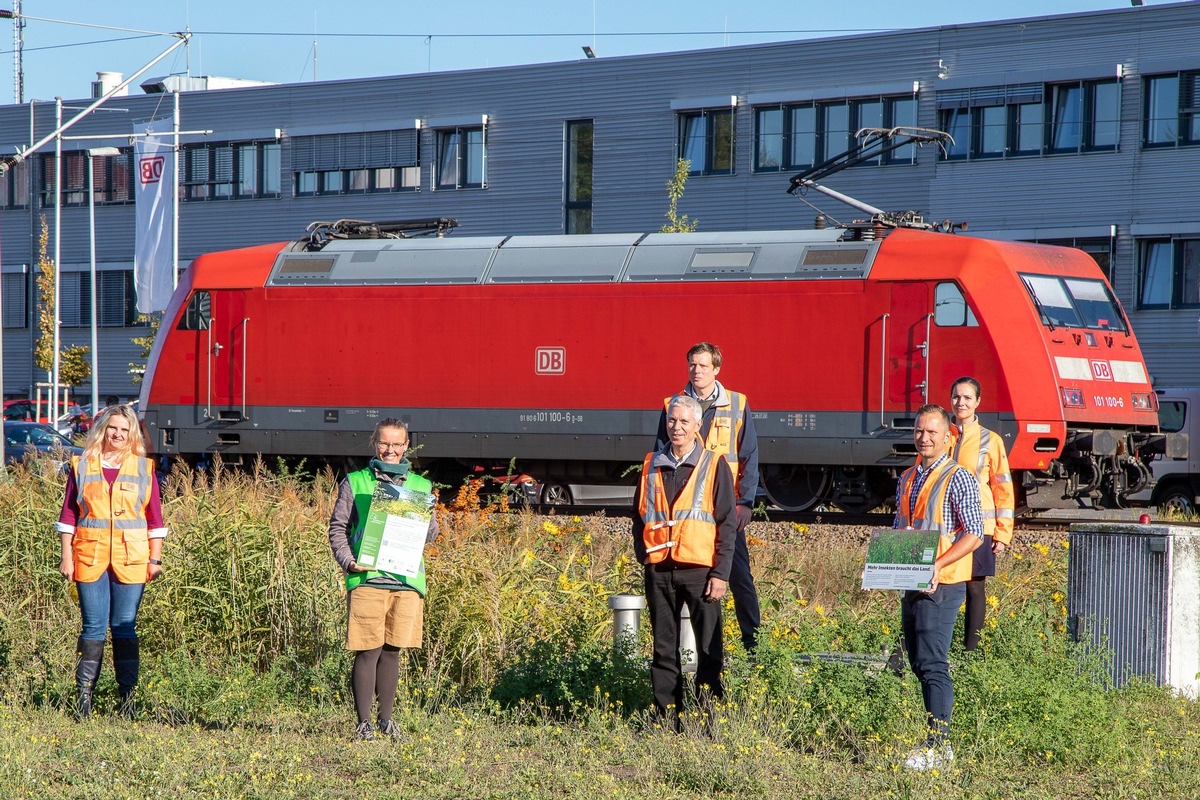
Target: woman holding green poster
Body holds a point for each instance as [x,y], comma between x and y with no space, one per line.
[385,609]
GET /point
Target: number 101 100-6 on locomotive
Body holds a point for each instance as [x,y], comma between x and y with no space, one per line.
[558,351]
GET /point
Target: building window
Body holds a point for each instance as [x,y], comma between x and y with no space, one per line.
[355,163]
[578,176]
[462,158]
[116,308]
[226,171]
[14,290]
[1170,274]
[707,141]
[1172,110]
[1100,249]
[799,136]
[1031,119]
[112,176]
[14,186]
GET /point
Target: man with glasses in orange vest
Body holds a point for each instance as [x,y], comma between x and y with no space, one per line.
[683,534]
[936,494]
[727,429]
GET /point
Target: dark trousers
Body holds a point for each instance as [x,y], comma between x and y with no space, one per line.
[745,595]
[927,622]
[976,609]
[667,592]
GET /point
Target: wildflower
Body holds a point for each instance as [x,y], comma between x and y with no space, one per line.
[550,528]
[993,601]
[1041,548]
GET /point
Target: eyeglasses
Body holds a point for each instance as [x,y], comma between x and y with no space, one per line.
[401,446]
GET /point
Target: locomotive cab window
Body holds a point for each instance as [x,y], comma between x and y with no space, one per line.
[1074,303]
[197,314]
[951,309]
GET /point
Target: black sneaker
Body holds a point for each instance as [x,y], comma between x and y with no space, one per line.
[389,728]
[365,732]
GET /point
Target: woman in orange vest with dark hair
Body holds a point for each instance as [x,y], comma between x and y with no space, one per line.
[112,530]
[982,451]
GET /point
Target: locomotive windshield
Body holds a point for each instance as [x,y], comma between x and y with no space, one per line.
[1074,303]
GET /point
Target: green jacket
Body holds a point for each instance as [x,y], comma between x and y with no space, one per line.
[363,483]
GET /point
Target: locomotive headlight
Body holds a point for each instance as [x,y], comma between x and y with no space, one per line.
[1143,401]
[1072,398]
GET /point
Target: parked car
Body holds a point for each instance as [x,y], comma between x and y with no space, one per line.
[1177,480]
[22,438]
[21,409]
[555,493]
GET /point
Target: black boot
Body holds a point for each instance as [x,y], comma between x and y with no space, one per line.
[87,669]
[126,664]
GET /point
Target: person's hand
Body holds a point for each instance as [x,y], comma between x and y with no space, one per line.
[356,567]
[153,571]
[714,590]
[933,584]
[66,567]
[997,547]
[743,516]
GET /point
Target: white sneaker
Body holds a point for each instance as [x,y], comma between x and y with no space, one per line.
[930,756]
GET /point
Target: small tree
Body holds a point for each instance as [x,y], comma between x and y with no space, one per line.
[73,365]
[137,369]
[675,186]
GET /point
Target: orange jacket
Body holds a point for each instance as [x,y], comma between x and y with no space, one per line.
[927,515]
[687,529]
[982,451]
[726,429]
[111,529]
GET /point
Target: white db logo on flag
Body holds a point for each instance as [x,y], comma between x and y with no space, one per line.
[150,169]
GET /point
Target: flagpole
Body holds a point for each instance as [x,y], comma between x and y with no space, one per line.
[52,414]
[175,202]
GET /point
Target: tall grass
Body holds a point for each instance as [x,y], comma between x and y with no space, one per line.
[246,627]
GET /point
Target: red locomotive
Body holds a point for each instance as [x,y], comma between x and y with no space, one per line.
[558,351]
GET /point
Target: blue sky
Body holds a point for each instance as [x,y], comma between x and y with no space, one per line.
[273,40]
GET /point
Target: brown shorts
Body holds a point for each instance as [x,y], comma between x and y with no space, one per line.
[384,616]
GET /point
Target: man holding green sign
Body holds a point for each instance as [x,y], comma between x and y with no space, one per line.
[381,522]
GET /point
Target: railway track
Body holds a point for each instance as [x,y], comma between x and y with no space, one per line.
[1043,521]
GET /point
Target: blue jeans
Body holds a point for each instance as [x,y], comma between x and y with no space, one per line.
[927,621]
[106,602]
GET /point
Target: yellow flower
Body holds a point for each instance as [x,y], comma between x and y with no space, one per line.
[993,601]
[550,528]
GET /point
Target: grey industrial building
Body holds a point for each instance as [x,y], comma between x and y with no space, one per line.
[1081,129]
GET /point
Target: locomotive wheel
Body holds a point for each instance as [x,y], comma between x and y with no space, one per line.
[556,494]
[794,487]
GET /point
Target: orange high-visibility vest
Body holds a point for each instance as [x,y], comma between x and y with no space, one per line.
[686,529]
[982,451]
[111,528]
[927,515]
[725,430]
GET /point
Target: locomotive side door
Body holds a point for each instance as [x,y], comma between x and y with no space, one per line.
[226,344]
[907,357]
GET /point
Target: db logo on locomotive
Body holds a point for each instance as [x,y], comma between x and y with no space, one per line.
[550,360]
[150,169]
[1102,371]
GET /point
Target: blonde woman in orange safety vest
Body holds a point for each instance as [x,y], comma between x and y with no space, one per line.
[112,530]
[982,451]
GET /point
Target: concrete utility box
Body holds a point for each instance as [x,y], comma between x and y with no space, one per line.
[1136,589]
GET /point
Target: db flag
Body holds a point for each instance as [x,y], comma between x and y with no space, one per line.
[153,191]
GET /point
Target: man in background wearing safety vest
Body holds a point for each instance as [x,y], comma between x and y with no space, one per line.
[936,494]
[683,533]
[727,429]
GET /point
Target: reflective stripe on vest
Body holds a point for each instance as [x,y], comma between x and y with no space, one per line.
[982,451]
[926,514]
[362,484]
[111,529]
[685,530]
[726,430]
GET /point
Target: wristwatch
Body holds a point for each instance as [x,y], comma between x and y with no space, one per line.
[157,561]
